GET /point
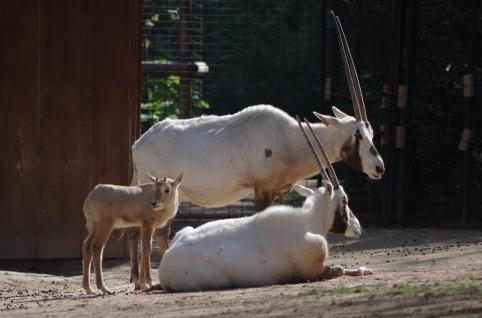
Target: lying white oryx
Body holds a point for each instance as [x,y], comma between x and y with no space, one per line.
[259,149]
[279,245]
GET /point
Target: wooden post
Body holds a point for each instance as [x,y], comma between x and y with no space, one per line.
[185,90]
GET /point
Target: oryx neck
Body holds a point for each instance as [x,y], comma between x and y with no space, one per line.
[332,140]
[320,219]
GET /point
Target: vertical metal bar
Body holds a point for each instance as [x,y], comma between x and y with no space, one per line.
[323,105]
[358,18]
[396,71]
[469,112]
[185,90]
[406,97]
[335,62]
[323,56]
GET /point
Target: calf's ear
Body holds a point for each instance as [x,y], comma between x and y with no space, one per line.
[152,178]
[179,179]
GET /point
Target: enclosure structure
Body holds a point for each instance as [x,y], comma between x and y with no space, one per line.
[69,83]
[69,78]
[420,68]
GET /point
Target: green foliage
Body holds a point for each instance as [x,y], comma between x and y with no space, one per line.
[162,100]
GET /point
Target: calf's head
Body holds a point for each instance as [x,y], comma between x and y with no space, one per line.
[165,191]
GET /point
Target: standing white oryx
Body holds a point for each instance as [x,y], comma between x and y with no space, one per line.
[280,245]
[259,149]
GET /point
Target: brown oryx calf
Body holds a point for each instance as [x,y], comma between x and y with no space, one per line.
[107,207]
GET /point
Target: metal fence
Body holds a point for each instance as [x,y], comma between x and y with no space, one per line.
[194,57]
[420,99]
[192,213]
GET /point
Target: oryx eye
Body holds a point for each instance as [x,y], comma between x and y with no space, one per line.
[373,151]
[166,191]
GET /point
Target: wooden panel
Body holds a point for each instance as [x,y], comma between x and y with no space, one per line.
[69,93]
[63,137]
[19,181]
[114,91]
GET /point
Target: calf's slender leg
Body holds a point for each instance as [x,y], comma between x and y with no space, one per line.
[98,244]
[145,276]
[86,263]
[133,236]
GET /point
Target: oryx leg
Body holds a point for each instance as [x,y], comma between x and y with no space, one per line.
[87,261]
[133,236]
[361,271]
[263,199]
[337,271]
[145,275]
[163,237]
[99,240]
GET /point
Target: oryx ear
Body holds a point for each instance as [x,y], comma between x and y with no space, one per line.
[153,179]
[327,120]
[179,179]
[328,188]
[338,113]
[303,191]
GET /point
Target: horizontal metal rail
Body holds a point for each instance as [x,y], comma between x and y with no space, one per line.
[195,68]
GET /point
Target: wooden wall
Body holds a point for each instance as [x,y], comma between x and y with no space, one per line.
[69,96]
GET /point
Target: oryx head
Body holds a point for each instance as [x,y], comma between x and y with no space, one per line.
[340,218]
[358,150]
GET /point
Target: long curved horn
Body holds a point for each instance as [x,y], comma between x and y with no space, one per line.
[323,173]
[356,80]
[350,72]
[331,171]
[346,67]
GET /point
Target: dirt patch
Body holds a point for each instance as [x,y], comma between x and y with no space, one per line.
[417,273]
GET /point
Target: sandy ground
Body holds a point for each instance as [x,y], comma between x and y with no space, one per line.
[417,273]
